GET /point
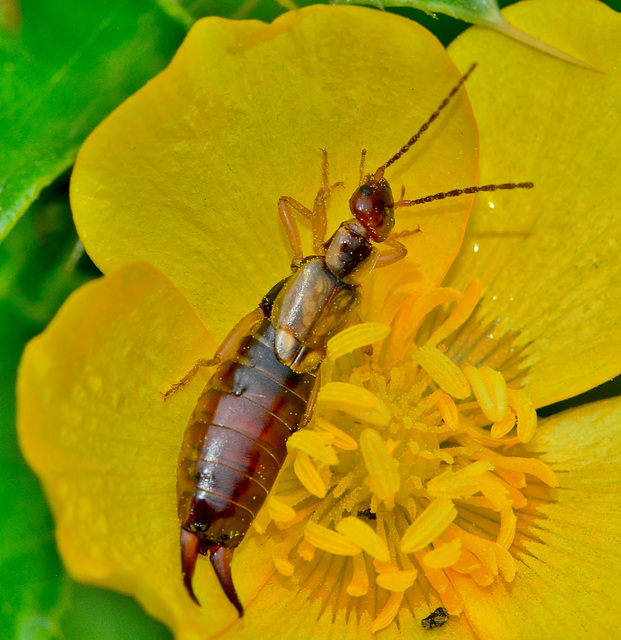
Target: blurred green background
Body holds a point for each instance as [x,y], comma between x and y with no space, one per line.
[64,65]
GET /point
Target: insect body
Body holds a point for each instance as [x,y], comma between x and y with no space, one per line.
[435,619]
[233,449]
[262,392]
[267,375]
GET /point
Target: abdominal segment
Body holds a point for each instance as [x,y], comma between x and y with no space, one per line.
[234,447]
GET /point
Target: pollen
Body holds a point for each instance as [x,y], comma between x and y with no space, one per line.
[410,471]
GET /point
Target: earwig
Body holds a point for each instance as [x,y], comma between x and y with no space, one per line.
[267,377]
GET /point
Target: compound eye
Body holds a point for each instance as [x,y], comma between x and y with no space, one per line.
[373,205]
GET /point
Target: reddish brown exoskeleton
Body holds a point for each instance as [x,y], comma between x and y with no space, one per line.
[266,379]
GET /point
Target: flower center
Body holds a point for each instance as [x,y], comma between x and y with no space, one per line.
[404,474]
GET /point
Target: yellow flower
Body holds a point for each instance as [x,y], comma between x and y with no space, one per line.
[408,491]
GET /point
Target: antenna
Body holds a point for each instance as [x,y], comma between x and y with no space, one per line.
[506,186]
[414,139]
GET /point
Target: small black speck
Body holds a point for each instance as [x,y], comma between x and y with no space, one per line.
[435,619]
[368,514]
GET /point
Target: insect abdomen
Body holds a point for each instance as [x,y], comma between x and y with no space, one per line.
[235,442]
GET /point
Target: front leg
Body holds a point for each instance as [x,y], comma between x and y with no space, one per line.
[392,251]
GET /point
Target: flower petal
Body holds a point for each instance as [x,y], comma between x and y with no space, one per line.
[307,612]
[549,257]
[187,173]
[569,564]
[94,426]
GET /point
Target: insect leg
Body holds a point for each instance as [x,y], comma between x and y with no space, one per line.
[403,234]
[392,251]
[317,216]
[286,206]
[311,401]
[241,329]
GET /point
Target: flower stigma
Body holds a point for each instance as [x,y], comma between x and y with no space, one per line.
[408,470]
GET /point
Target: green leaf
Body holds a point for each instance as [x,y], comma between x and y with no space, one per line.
[481,12]
[265,10]
[38,259]
[476,11]
[69,64]
[38,268]
[27,556]
[95,614]
[39,600]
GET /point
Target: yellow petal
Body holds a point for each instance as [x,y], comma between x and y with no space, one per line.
[94,426]
[553,250]
[187,173]
[571,562]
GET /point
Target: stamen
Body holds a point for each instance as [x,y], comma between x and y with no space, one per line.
[359,584]
[429,525]
[356,401]
[526,414]
[518,500]
[341,439]
[490,390]
[463,483]
[495,492]
[262,521]
[306,550]
[382,467]
[481,548]
[448,410]
[280,511]
[355,337]
[362,534]
[397,580]
[506,563]
[533,466]
[280,553]
[314,445]
[437,577]
[443,371]
[481,577]
[306,471]
[467,562]
[388,613]
[399,446]
[408,319]
[462,311]
[502,427]
[508,523]
[331,541]
[445,555]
